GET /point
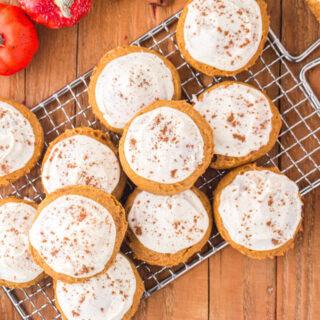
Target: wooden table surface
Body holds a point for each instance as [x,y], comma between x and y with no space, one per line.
[228,285]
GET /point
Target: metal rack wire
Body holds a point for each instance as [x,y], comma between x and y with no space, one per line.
[296,153]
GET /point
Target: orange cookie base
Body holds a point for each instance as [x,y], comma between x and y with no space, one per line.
[97,135]
[136,298]
[227,162]
[224,182]
[212,71]
[38,147]
[171,188]
[109,202]
[114,54]
[167,259]
[22,285]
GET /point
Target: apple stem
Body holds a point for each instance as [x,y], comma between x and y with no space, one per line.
[64,6]
[1,40]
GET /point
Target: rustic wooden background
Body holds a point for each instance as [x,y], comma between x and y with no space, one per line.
[229,285]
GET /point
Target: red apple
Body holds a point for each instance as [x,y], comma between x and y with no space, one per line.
[18,40]
[56,13]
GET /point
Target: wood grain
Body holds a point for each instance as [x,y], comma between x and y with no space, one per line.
[229,285]
[298,279]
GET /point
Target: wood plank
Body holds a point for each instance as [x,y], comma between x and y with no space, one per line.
[298,278]
[185,298]
[54,64]
[240,287]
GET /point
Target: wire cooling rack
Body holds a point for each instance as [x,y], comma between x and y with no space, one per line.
[296,153]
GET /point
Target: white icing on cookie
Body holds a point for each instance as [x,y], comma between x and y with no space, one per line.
[164,145]
[168,224]
[224,34]
[16,263]
[240,116]
[17,140]
[129,83]
[106,297]
[74,235]
[261,210]
[81,160]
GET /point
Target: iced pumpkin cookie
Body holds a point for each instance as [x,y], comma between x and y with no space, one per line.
[258,211]
[126,80]
[112,295]
[245,122]
[166,147]
[77,233]
[21,141]
[315,7]
[168,230]
[222,37]
[83,156]
[17,268]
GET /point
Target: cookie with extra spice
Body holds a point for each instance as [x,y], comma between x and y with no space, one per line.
[126,80]
[245,122]
[258,211]
[77,233]
[166,147]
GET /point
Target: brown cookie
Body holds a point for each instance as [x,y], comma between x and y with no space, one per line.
[210,70]
[66,162]
[15,220]
[121,52]
[20,170]
[82,294]
[77,233]
[141,252]
[175,140]
[257,230]
[226,162]
[315,8]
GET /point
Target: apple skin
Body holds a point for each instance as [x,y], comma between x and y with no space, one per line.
[18,40]
[56,14]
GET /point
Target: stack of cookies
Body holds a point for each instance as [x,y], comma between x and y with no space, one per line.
[166,144]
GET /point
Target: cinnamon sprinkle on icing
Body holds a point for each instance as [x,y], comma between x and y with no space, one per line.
[168,145]
[108,296]
[129,83]
[168,224]
[274,205]
[240,117]
[224,34]
[17,139]
[74,235]
[81,160]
